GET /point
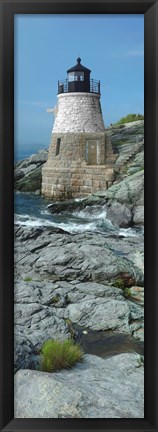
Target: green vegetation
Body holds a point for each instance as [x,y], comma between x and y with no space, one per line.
[121,142]
[68,321]
[140,361]
[127,292]
[58,355]
[27,279]
[130,118]
[71,330]
[118,283]
[55,299]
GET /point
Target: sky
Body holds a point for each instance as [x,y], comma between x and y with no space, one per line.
[45,46]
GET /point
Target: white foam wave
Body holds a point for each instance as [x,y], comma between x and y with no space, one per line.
[37,222]
[130,232]
[99,223]
[89,213]
[21,216]
[79,199]
[45,212]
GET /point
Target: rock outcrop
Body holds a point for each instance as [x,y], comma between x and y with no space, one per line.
[96,388]
[84,284]
[28,173]
[83,279]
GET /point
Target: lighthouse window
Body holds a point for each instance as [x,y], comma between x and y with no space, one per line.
[79,76]
[58,147]
[76,76]
[71,76]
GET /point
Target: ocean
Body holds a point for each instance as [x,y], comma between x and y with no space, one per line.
[33,211]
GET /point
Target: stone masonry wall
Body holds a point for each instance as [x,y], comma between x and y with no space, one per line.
[73,147]
[65,182]
[78,112]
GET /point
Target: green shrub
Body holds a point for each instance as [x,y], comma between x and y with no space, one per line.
[130,118]
[27,279]
[60,355]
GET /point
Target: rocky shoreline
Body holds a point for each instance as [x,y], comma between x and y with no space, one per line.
[89,283]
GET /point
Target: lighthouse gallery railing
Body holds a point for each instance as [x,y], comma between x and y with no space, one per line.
[94,86]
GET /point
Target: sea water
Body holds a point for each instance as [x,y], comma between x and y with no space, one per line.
[33,211]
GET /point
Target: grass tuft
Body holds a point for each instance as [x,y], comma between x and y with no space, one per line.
[27,279]
[58,355]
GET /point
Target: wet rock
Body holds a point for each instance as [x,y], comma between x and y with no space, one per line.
[88,390]
[119,214]
[59,207]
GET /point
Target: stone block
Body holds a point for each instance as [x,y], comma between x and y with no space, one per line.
[88,182]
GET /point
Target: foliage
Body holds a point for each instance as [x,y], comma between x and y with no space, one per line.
[118,283]
[140,361]
[58,355]
[130,118]
[27,279]
[127,292]
[55,299]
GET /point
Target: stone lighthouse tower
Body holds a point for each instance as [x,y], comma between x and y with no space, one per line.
[80,154]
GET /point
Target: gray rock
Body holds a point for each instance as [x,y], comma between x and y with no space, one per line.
[119,214]
[40,157]
[138,160]
[30,168]
[31,182]
[128,132]
[105,314]
[138,215]
[89,390]
[133,169]
[27,173]
[129,191]
[137,293]
[60,276]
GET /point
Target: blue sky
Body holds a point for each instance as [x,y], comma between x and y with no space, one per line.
[112,46]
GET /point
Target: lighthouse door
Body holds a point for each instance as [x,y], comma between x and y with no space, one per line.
[91,152]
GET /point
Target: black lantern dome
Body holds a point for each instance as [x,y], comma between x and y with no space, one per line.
[78,80]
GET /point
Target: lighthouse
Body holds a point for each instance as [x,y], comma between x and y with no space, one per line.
[80,157]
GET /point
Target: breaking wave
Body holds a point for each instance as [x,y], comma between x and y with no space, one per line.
[33,211]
